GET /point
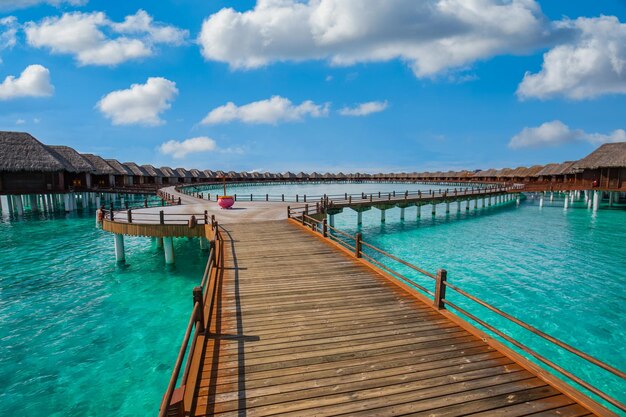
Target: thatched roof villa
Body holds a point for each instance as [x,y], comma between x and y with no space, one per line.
[81,175]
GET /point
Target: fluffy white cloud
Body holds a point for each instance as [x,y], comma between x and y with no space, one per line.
[20,121]
[194,145]
[364,109]
[591,64]
[556,132]
[140,104]
[8,32]
[22,4]
[431,35]
[83,35]
[34,81]
[272,111]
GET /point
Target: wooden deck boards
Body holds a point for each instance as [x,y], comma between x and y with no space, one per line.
[302,329]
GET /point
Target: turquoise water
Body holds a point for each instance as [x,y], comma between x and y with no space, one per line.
[79,335]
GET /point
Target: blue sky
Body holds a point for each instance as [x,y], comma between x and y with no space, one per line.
[358,85]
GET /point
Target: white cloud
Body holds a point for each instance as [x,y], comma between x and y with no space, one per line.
[364,109]
[556,133]
[272,111]
[140,104]
[180,150]
[22,4]
[591,64]
[34,81]
[432,36]
[83,35]
[20,121]
[8,32]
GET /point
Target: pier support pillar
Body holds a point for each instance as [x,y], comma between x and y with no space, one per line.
[611,196]
[419,211]
[541,200]
[7,207]
[447,207]
[489,201]
[552,196]
[596,200]
[331,220]
[66,202]
[168,249]
[467,205]
[434,209]
[382,215]
[458,206]
[204,244]
[566,201]
[33,203]
[359,218]
[120,256]
[18,204]
[401,213]
[159,242]
[483,204]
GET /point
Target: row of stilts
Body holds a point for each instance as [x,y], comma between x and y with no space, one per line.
[461,204]
[592,199]
[164,243]
[19,204]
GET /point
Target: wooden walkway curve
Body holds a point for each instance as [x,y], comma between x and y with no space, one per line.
[302,329]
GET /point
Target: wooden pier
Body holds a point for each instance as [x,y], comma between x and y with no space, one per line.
[289,323]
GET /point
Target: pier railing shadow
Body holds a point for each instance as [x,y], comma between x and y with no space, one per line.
[434,287]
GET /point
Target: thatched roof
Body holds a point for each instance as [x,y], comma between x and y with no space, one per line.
[209,173]
[533,170]
[609,155]
[118,167]
[136,169]
[183,173]
[152,171]
[101,166]
[73,158]
[196,173]
[20,151]
[168,172]
[556,169]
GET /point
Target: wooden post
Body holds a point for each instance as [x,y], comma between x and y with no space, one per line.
[145,202]
[304,198]
[129,214]
[440,289]
[161,217]
[267,197]
[282,197]
[197,298]
[296,198]
[325,228]
[206,217]
[349,199]
[179,202]
[111,215]
[288,212]
[357,245]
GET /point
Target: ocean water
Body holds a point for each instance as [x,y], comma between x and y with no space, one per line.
[80,335]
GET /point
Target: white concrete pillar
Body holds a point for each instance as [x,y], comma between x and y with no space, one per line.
[476,204]
[517,200]
[382,215]
[566,201]
[467,205]
[120,256]
[7,204]
[204,244]
[419,211]
[18,204]
[458,206]
[359,217]
[159,242]
[401,213]
[447,207]
[434,209]
[551,196]
[66,203]
[331,220]
[611,196]
[98,201]
[44,203]
[483,205]
[33,203]
[571,197]
[541,201]
[489,201]
[168,249]
[597,196]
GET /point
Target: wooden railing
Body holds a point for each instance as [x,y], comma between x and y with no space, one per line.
[178,396]
[349,198]
[358,247]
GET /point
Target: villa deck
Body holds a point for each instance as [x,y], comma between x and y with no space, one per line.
[301,328]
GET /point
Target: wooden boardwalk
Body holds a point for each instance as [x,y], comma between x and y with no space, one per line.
[301,328]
